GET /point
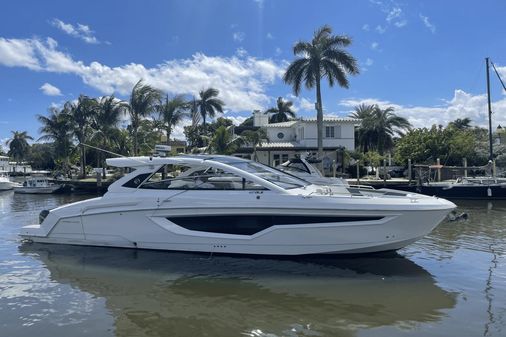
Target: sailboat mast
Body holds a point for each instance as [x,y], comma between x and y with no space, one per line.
[491,154]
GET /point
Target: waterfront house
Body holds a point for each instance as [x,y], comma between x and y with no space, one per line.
[299,137]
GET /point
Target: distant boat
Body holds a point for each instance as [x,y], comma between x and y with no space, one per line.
[37,185]
[5,183]
[488,188]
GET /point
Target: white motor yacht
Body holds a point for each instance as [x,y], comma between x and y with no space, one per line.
[37,185]
[224,204]
[5,183]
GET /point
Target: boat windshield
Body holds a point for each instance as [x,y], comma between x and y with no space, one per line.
[270,174]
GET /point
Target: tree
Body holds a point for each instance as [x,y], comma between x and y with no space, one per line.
[209,104]
[253,138]
[378,127]
[171,112]
[282,112]
[81,114]
[18,145]
[58,129]
[223,142]
[321,58]
[105,121]
[142,102]
[461,124]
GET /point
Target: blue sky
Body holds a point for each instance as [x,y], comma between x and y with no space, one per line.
[424,58]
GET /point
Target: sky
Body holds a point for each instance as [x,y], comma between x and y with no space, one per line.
[426,59]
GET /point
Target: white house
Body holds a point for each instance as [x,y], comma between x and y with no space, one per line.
[287,139]
[6,165]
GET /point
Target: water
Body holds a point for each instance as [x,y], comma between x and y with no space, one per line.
[452,283]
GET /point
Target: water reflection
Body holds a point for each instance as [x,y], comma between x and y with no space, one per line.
[153,293]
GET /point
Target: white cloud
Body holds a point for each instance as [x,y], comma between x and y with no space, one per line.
[374,45]
[80,31]
[260,3]
[238,36]
[428,24]
[366,27]
[393,14]
[369,62]
[400,24]
[242,80]
[278,51]
[462,105]
[50,90]
[380,29]
[269,36]
[301,104]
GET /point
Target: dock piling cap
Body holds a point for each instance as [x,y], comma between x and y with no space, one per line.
[436,166]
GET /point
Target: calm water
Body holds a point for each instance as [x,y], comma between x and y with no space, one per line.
[452,283]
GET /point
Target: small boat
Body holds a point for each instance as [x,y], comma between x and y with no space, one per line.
[222,204]
[483,188]
[5,183]
[37,185]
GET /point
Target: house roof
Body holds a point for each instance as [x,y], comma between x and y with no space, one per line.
[313,120]
[281,125]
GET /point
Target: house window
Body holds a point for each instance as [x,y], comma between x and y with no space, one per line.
[301,133]
[330,132]
[279,159]
[281,135]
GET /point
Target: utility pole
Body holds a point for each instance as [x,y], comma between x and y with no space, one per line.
[491,155]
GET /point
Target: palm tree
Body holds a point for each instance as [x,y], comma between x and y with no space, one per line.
[57,128]
[81,113]
[142,103]
[223,141]
[461,124]
[18,145]
[282,112]
[171,112]
[366,132]
[104,121]
[209,104]
[253,138]
[378,127]
[321,58]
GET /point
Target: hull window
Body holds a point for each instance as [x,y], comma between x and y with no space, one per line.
[251,224]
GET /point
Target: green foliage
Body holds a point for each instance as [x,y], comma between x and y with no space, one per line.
[378,127]
[209,104]
[222,141]
[42,156]
[449,144]
[18,145]
[282,112]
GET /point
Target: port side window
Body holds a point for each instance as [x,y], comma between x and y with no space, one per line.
[135,182]
[179,177]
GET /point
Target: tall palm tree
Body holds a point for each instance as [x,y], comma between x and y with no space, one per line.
[81,113]
[57,128]
[104,121]
[209,104]
[18,145]
[321,58]
[171,112]
[142,103]
[365,134]
[282,112]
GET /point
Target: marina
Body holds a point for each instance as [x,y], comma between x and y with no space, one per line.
[451,282]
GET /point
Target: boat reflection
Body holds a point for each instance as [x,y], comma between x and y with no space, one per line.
[151,293]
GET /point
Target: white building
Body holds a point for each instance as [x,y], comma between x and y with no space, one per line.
[6,165]
[287,139]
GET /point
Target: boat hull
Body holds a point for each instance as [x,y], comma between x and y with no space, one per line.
[36,190]
[151,229]
[470,192]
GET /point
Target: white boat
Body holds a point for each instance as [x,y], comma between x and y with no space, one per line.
[224,204]
[5,183]
[37,185]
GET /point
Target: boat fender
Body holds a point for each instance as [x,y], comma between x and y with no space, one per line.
[489,192]
[453,216]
